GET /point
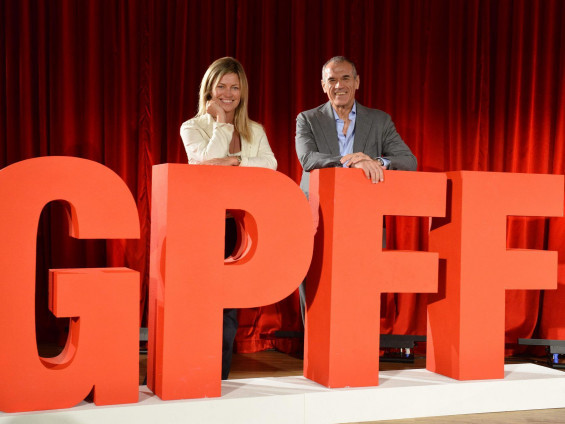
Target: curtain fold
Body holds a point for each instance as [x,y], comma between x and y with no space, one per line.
[470,84]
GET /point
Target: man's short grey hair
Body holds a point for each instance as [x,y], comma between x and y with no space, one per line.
[339,59]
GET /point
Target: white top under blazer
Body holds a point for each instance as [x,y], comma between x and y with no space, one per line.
[204,139]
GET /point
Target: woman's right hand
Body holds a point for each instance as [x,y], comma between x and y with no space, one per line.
[214,109]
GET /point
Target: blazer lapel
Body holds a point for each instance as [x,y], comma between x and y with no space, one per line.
[327,123]
[362,129]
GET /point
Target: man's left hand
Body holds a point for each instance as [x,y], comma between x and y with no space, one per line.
[372,168]
[352,158]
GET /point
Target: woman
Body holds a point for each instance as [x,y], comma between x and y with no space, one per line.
[222,134]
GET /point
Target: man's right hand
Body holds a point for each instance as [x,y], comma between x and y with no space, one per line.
[353,158]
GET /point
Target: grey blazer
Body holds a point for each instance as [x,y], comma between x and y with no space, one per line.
[375,135]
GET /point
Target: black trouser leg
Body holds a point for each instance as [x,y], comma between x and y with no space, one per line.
[230,328]
[230,315]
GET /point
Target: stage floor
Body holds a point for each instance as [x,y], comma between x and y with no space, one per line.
[402,394]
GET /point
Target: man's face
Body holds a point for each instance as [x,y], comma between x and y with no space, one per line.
[340,84]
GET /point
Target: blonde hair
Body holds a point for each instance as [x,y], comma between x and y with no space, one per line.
[214,73]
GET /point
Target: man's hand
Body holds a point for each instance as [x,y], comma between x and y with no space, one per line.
[373,169]
[353,158]
[227,161]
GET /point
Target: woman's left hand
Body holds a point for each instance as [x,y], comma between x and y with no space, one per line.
[227,161]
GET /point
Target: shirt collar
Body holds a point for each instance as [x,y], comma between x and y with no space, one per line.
[352,112]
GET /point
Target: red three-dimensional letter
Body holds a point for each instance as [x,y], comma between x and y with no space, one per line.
[466,318]
[350,271]
[103,304]
[190,282]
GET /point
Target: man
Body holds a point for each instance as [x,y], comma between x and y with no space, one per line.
[344,133]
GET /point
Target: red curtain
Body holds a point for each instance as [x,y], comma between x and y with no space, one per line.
[471,85]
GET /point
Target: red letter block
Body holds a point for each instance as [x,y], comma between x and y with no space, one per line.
[103,345]
[350,271]
[466,321]
[190,282]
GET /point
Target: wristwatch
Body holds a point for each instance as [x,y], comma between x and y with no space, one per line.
[382,162]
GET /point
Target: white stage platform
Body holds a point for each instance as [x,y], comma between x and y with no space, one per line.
[295,400]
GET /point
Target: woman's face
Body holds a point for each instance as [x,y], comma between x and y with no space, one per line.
[227,92]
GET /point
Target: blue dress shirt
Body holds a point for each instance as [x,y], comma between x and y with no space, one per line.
[346,140]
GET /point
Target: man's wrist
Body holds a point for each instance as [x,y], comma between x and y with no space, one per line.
[383,161]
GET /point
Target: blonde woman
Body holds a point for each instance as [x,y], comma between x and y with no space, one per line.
[222,134]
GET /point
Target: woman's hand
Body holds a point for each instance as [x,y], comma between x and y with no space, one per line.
[227,161]
[214,109]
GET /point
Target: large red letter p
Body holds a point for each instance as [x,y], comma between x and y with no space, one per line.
[190,281]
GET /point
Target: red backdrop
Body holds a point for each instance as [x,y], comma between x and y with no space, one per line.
[474,85]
